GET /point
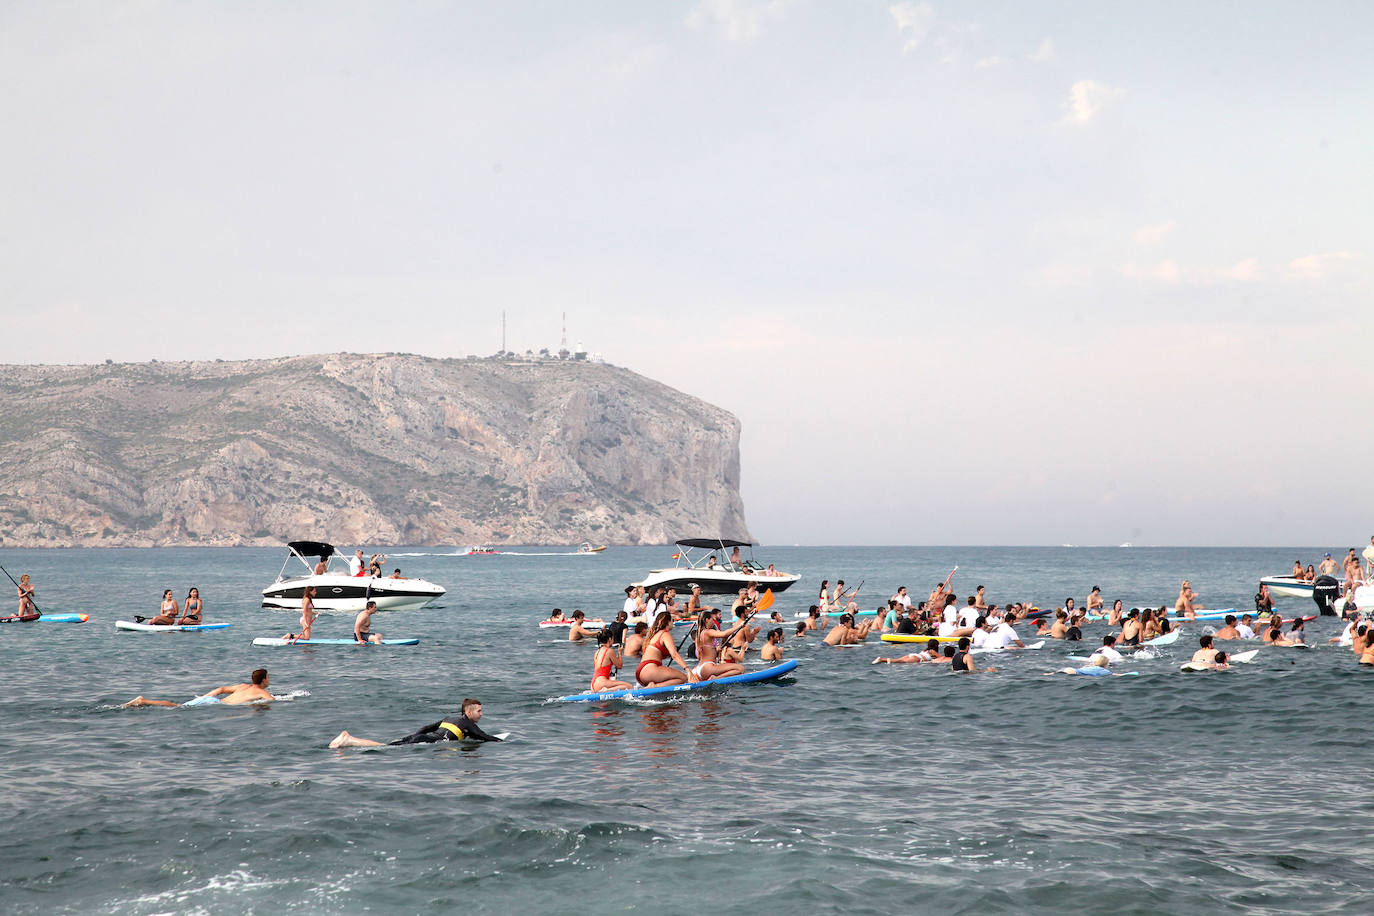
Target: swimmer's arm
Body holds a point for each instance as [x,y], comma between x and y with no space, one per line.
[223,691]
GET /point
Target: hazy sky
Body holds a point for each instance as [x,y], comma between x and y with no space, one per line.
[987,272]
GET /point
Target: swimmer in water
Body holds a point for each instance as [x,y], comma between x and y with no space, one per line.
[1095,668]
[634,645]
[772,650]
[455,728]
[577,632]
[963,658]
[1206,654]
[931,653]
[230,694]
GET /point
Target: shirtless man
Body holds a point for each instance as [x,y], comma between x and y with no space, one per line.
[844,633]
[1095,600]
[362,625]
[694,605]
[462,727]
[1186,604]
[1206,653]
[1060,630]
[396,574]
[634,644]
[322,567]
[1327,566]
[1274,637]
[577,632]
[1229,631]
[772,650]
[230,694]
[1369,559]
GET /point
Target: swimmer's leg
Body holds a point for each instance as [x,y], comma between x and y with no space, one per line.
[347,740]
[142,701]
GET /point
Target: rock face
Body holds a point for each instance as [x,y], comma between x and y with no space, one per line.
[360,449]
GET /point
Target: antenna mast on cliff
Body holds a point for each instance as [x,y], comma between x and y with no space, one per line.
[563,343]
[503,332]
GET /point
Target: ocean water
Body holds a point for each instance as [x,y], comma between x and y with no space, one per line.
[847,787]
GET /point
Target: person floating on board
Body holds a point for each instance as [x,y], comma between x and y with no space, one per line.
[229,694]
[1206,653]
[931,653]
[362,626]
[1097,667]
[454,728]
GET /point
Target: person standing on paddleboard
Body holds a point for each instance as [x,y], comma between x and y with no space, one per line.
[455,728]
[308,615]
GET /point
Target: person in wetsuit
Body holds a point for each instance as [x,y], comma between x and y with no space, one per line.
[454,728]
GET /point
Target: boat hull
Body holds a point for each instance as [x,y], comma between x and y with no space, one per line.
[714,582]
[1287,587]
[345,594]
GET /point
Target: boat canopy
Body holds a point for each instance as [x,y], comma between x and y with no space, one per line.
[712,543]
[312,549]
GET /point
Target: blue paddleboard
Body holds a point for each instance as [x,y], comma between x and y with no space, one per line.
[66,618]
[749,677]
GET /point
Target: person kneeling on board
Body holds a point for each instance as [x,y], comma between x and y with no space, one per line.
[454,728]
[362,626]
[230,694]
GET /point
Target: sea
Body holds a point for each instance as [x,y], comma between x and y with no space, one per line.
[846,787]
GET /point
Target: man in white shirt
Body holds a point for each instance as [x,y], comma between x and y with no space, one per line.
[1243,628]
[1108,650]
[355,563]
[630,602]
[969,616]
[902,598]
[980,635]
[1004,637]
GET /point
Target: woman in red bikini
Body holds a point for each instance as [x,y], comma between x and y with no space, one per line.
[605,662]
[653,671]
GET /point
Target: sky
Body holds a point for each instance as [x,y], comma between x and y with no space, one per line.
[968,273]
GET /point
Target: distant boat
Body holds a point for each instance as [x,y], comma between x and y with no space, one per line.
[588,548]
[479,551]
[1127,544]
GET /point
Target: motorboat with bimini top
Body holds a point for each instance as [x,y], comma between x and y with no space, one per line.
[337,590]
[588,548]
[716,565]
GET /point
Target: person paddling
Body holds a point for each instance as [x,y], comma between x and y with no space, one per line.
[229,694]
[27,608]
[462,727]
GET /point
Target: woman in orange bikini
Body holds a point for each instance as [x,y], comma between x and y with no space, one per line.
[605,662]
[653,670]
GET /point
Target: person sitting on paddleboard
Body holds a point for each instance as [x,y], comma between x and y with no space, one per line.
[26,605]
[167,614]
[191,611]
[362,626]
[654,670]
[706,634]
[455,728]
[605,662]
[230,694]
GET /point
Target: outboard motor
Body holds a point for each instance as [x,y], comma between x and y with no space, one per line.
[1326,591]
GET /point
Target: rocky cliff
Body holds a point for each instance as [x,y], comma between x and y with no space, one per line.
[360,449]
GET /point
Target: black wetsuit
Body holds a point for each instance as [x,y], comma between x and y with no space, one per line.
[906,625]
[959,662]
[437,732]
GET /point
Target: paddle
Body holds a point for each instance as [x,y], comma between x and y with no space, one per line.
[16,585]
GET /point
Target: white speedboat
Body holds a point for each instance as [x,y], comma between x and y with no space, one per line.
[1287,586]
[336,590]
[712,568]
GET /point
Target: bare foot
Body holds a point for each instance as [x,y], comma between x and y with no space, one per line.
[136,701]
[342,740]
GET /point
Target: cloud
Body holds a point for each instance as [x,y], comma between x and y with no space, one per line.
[737,20]
[1170,273]
[914,22]
[1088,99]
[1318,266]
[993,61]
[1153,235]
[1045,53]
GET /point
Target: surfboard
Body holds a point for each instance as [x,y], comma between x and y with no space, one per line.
[278,641]
[1243,657]
[586,624]
[1030,645]
[749,677]
[171,628]
[802,615]
[65,618]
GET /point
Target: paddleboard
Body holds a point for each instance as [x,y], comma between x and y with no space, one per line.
[1103,672]
[171,628]
[278,641]
[907,637]
[749,677]
[16,618]
[802,615]
[1243,657]
[586,624]
[66,618]
[1028,646]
